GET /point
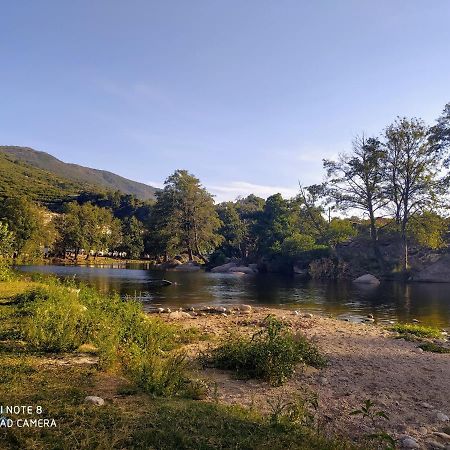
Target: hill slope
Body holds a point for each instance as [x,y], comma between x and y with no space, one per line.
[20,178]
[78,174]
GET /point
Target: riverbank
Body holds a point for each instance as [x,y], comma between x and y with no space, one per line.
[138,400]
[365,361]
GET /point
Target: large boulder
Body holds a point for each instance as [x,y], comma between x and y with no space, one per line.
[188,267]
[224,268]
[367,279]
[437,272]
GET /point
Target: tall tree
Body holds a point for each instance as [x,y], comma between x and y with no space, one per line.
[27,223]
[357,182]
[132,237]
[187,218]
[414,173]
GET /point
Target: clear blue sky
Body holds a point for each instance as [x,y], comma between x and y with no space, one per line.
[248,95]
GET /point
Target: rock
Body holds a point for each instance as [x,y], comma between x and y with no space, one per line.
[224,268]
[308,316]
[254,267]
[409,442]
[441,435]
[423,430]
[426,405]
[370,316]
[188,267]
[416,321]
[245,308]
[367,279]
[94,400]
[299,271]
[295,313]
[160,310]
[242,269]
[368,319]
[433,445]
[438,272]
[179,315]
[442,417]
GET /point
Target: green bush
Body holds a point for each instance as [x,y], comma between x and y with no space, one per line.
[271,354]
[416,330]
[62,318]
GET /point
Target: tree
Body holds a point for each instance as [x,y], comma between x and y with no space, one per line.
[339,230]
[132,237]
[357,182]
[274,225]
[27,224]
[414,173]
[233,230]
[428,229]
[186,218]
[86,227]
[6,241]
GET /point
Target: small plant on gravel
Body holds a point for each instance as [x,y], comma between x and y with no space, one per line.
[373,416]
[302,410]
[420,331]
[272,353]
[434,348]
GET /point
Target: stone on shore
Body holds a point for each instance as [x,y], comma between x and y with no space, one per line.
[94,400]
[188,267]
[367,279]
[179,315]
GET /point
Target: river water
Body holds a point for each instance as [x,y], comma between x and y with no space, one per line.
[427,302]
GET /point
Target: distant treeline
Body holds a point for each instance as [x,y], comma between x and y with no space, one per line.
[394,184]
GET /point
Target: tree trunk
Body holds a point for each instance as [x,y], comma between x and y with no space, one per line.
[374,237]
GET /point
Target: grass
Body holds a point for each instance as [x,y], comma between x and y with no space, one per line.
[434,348]
[134,420]
[420,331]
[272,354]
[139,359]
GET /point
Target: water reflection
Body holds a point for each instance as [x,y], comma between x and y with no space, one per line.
[430,303]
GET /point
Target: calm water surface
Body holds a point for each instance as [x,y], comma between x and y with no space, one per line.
[427,302]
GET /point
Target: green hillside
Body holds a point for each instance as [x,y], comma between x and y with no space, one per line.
[78,174]
[19,178]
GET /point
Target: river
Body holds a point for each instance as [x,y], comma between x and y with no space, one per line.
[390,301]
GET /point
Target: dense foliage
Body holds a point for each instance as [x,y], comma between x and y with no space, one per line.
[396,186]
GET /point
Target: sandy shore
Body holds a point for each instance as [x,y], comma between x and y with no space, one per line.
[365,362]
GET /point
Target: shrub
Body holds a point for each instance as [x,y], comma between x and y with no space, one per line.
[416,330]
[62,318]
[271,354]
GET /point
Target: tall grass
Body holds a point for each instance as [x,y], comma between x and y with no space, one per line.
[271,354]
[61,318]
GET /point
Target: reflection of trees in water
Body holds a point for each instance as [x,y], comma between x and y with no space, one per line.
[428,302]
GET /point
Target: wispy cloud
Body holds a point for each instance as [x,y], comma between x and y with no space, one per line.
[234,189]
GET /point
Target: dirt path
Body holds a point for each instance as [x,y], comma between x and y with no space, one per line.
[365,362]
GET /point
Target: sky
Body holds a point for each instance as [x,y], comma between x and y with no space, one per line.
[249,96]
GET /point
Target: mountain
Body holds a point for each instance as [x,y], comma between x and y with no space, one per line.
[20,178]
[78,174]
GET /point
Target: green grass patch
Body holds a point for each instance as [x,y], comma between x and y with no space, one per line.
[271,354]
[434,348]
[134,420]
[420,331]
[58,317]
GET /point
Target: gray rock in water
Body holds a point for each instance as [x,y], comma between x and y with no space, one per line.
[438,272]
[94,400]
[409,442]
[367,279]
